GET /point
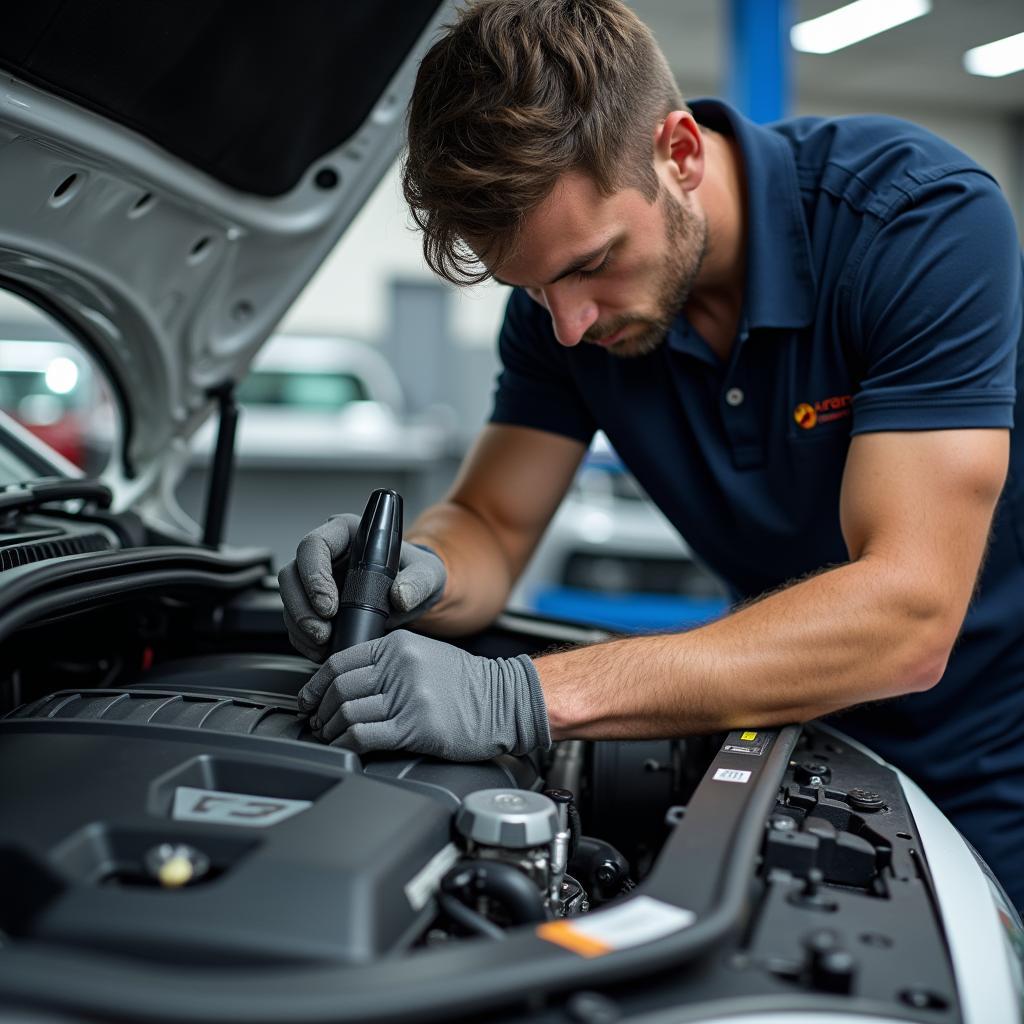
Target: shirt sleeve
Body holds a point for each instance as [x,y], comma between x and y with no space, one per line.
[936,311]
[535,386]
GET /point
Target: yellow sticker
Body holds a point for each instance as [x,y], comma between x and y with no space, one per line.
[748,736]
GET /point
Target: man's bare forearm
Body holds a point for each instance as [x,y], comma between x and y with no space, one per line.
[479,575]
[846,636]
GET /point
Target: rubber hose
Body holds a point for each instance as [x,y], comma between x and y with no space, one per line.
[520,900]
[467,917]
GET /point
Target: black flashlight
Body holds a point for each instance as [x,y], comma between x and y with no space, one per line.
[372,565]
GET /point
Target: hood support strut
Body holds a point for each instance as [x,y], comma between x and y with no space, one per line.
[223,467]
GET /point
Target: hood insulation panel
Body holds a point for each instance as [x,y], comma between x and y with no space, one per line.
[252,94]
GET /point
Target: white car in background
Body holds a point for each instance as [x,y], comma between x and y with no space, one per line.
[307,398]
[611,558]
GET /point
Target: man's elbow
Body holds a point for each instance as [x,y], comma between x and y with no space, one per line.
[927,652]
[924,672]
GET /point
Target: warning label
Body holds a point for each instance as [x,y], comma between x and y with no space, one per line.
[748,741]
[643,919]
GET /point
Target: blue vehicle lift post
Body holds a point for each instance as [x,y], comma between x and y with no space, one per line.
[758,57]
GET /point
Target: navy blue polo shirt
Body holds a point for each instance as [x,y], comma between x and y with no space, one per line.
[883,293]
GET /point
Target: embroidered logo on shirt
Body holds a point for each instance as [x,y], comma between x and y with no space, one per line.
[808,416]
[805,416]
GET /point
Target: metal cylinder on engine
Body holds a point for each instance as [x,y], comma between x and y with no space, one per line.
[525,829]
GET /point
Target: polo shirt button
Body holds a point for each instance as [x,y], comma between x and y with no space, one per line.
[734,397]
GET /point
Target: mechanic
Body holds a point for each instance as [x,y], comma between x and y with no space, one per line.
[800,338]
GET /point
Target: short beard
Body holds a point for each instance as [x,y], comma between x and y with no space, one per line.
[687,236]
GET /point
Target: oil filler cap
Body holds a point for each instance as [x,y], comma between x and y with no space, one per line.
[173,865]
[513,819]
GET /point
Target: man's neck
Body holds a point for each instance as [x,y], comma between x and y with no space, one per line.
[717,298]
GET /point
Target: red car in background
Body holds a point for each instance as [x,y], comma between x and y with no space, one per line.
[48,387]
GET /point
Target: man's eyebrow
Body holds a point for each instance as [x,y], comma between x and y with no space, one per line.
[580,262]
[577,264]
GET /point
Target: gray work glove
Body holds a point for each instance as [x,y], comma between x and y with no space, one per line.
[310,595]
[409,692]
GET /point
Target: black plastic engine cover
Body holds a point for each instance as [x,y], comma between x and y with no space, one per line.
[255,694]
[326,879]
[311,850]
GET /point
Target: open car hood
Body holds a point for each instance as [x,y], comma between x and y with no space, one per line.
[173,176]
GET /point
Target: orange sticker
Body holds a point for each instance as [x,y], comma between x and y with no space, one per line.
[562,933]
[638,920]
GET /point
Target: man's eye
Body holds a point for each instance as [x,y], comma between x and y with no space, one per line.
[584,274]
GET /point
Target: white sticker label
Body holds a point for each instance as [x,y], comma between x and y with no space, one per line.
[424,883]
[245,809]
[643,919]
[731,775]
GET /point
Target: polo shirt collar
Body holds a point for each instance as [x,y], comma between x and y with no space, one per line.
[780,280]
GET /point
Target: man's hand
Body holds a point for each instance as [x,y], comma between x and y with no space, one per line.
[409,692]
[310,595]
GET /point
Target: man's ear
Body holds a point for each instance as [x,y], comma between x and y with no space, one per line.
[678,143]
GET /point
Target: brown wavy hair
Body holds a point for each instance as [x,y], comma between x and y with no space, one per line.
[515,94]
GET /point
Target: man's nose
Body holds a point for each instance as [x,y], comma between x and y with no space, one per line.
[572,315]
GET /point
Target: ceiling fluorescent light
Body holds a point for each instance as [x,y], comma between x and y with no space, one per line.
[854,22]
[993,60]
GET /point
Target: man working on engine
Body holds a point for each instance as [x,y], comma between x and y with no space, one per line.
[802,341]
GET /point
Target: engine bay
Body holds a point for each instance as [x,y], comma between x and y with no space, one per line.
[182,847]
[182,823]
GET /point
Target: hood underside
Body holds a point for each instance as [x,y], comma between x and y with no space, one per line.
[174,174]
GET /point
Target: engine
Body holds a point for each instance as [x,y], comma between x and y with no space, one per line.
[203,795]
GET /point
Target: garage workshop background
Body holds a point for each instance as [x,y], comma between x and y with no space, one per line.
[403,415]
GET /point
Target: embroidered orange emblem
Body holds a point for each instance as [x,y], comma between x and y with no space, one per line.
[805,416]
[835,408]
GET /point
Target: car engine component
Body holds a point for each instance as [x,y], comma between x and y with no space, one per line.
[527,831]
